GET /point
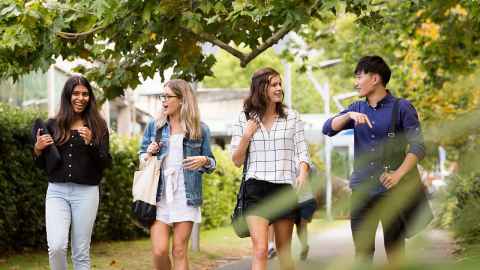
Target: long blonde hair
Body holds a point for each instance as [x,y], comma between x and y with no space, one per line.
[189,113]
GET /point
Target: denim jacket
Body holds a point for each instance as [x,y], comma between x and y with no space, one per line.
[193,179]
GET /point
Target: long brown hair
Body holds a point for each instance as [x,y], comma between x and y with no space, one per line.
[90,115]
[256,103]
[189,113]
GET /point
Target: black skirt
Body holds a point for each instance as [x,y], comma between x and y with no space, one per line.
[270,201]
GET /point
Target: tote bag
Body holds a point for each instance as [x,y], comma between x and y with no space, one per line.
[144,192]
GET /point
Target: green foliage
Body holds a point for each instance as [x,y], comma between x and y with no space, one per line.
[131,40]
[114,218]
[431,47]
[466,189]
[220,191]
[22,185]
[229,75]
[459,205]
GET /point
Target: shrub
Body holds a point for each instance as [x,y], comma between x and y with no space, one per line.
[23,187]
[114,219]
[219,191]
[466,221]
[461,203]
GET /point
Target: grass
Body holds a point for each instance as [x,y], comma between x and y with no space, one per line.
[220,246]
[217,247]
[214,244]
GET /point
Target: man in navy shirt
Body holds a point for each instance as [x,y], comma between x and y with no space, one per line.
[371,182]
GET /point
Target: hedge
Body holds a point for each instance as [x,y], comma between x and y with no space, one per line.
[114,219]
[219,191]
[23,187]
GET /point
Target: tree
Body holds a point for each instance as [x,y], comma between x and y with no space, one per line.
[228,74]
[126,41]
[432,47]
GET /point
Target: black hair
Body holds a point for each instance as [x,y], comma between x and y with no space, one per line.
[374,64]
[90,114]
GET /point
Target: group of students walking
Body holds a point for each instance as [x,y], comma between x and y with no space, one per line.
[268,138]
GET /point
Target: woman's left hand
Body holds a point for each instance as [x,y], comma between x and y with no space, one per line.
[86,134]
[195,162]
[300,182]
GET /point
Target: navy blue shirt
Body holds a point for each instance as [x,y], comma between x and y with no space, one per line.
[368,142]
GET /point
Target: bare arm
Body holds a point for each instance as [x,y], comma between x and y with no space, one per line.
[339,122]
[240,153]
[302,175]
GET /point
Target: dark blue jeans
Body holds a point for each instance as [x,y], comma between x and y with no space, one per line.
[366,212]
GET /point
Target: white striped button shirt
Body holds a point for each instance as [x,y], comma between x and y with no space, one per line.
[274,155]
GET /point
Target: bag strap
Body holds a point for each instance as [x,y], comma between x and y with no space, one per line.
[245,164]
[390,142]
[393,123]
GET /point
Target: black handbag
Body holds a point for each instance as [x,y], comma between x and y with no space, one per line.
[51,154]
[415,212]
[238,217]
[145,214]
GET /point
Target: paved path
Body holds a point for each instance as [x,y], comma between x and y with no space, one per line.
[333,248]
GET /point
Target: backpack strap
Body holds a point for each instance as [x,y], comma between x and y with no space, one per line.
[391,140]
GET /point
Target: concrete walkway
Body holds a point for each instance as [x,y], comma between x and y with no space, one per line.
[333,249]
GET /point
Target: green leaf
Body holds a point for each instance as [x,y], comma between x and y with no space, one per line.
[10,11]
[206,7]
[147,11]
[220,8]
[85,24]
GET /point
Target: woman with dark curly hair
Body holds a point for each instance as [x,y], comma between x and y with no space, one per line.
[277,165]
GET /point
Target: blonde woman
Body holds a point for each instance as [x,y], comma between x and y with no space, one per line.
[276,151]
[181,142]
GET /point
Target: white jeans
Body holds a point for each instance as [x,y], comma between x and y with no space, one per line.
[70,204]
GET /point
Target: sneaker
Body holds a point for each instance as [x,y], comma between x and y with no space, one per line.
[272,252]
[304,253]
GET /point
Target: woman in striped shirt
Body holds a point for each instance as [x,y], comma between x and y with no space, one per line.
[271,138]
